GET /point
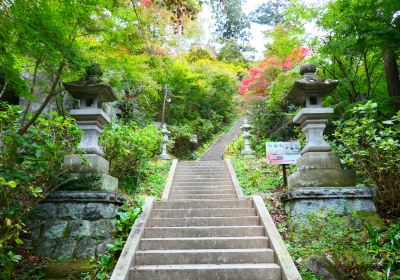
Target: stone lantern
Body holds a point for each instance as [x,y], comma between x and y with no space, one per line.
[76,221]
[320,182]
[91,93]
[247,151]
[165,133]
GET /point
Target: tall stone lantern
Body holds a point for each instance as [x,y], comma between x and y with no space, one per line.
[91,94]
[320,182]
[247,151]
[76,221]
[165,133]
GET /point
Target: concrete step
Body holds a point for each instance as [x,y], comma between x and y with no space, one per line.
[227,186]
[267,271]
[204,256]
[202,191]
[201,183]
[204,221]
[202,172]
[211,231]
[201,212]
[173,197]
[200,178]
[209,203]
[204,243]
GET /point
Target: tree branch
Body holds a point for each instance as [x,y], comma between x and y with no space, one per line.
[22,130]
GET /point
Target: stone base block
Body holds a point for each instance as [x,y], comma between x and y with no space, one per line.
[164,156]
[301,201]
[86,164]
[322,178]
[102,182]
[248,154]
[318,160]
[73,224]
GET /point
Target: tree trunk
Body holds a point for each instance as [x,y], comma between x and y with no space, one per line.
[392,76]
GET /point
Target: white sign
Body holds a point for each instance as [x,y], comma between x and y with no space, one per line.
[282,152]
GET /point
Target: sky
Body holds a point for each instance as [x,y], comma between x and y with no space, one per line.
[257,40]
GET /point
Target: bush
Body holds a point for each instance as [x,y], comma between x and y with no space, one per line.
[372,147]
[360,247]
[124,220]
[31,167]
[128,148]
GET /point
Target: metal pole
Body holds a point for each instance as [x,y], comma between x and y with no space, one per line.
[164,104]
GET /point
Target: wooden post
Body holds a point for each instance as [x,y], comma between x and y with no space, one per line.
[284,175]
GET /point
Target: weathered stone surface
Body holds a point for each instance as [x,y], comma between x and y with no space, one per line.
[54,229]
[322,178]
[44,248]
[80,228]
[324,268]
[95,211]
[103,229]
[79,224]
[64,248]
[43,211]
[300,202]
[85,248]
[86,164]
[87,196]
[102,247]
[318,160]
[70,210]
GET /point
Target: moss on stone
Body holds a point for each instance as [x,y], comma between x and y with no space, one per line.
[67,269]
[371,219]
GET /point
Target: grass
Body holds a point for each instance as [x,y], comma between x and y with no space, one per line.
[155,176]
[256,176]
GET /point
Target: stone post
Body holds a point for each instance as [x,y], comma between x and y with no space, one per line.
[76,222]
[320,182]
[247,151]
[165,132]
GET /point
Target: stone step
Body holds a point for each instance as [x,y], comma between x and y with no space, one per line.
[173,197]
[209,203]
[201,180]
[202,191]
[267,271]
[228,186]
[211,231]
[204,256]
[202,212]
[196,178]
[202,172]
[202,183]
[204,221]
[204,243]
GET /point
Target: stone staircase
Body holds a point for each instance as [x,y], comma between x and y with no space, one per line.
[203,230]
[217,150]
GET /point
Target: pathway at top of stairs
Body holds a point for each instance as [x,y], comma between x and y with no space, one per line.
[204,231]
[217,150]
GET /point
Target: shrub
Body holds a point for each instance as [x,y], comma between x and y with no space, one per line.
[31,167]
[372,147]
[128,148]
[124,220]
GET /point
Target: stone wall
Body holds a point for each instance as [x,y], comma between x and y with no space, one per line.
[73,224]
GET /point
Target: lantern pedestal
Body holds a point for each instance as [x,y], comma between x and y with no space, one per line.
[165,132]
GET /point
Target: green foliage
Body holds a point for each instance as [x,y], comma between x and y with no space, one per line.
[362,251]
[372,147]
[154,177]
[271,121]
[128,149]
[256,176]
[270,12]
[31,167]
[231,21]
[124,220]
[385,247]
